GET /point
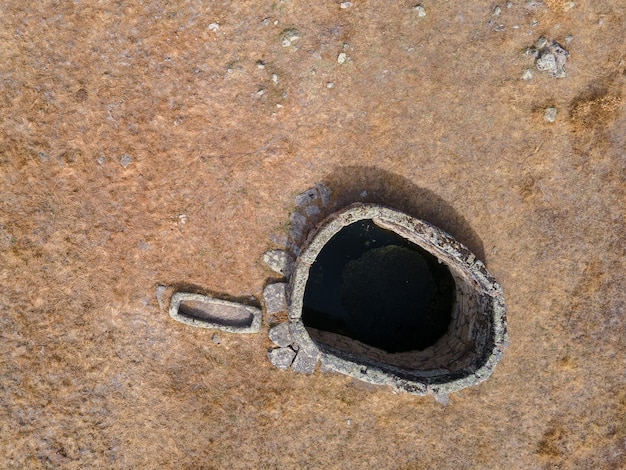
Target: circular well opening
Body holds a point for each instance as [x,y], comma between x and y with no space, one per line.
[381,296]
[374,286]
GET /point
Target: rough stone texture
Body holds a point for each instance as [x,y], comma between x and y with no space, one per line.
[280,335]
[306,360]
[274,298]
[464,356]
[281,358]
[550,57]
[219,313]
[279,261]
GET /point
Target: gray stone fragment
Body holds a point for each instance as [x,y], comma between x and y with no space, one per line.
[281,358]
[297,223]
[324,194]
[125,160]
[312,211]
[546,62]
[549,114]
[307,197]
[550,57]
[289,37]
[280,335]
[279,261]
[420,10]
[275,299]
[305,361]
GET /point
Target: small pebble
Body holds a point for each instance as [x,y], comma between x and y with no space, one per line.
[527,75]
[307,197]
[214,27]
[260,92]
[274,78]
[289,37]
[497,11]
[125,160]
[420,10]
[549,114]
[216,339]
[345,5]
[330,85]
[260,64]
[341,58]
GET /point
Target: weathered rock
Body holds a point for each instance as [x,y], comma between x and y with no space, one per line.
[549,114]
[280,335]
[307,197]
[549,56]
[281,358]
[305,361]
[279,261]
[274,297]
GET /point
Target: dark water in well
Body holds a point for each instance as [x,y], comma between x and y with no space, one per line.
[376,287]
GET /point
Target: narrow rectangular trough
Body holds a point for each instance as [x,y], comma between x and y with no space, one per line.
[208,312]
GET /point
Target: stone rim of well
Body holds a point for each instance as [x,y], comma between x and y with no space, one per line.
[464,265]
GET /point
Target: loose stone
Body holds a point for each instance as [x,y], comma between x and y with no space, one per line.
[297,222]
[280,335]
[125,160]
[306,198]
[420,10]
[279,261]
[546,61]
[281,358]
[341,58]
[549,114]
[275,298]
[289,37]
